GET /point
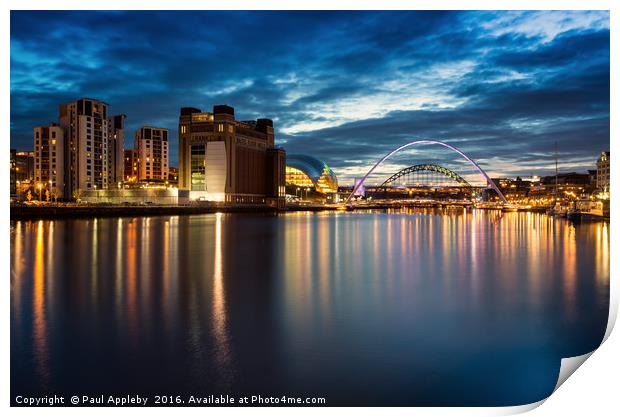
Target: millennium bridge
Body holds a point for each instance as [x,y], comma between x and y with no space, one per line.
[431,175]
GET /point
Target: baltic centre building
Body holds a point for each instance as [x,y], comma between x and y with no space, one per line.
[227,160]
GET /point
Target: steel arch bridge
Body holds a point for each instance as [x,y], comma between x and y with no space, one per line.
[490,182]
[406,172]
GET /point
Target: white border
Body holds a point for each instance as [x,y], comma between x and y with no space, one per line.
[592,391]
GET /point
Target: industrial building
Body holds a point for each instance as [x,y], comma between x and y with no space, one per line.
[227,160]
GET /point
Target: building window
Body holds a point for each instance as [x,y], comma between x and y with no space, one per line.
[197,168]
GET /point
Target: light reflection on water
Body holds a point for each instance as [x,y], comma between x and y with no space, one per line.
[408,307]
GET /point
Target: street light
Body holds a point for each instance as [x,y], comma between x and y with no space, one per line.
[40,187]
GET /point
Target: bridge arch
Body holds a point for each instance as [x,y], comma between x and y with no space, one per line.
[427,167]
[429,141]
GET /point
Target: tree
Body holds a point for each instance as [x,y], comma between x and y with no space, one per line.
[55,194]
[47,195]
[29,196]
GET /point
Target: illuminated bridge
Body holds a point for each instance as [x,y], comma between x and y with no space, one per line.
[400,174]
[426,174]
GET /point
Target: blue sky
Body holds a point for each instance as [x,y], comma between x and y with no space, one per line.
[345,87]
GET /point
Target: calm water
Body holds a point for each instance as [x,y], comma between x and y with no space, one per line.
[411,308]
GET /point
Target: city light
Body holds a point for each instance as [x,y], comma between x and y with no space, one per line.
[343,208]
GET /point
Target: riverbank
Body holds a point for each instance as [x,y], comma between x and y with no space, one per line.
[35,212]
[63,211]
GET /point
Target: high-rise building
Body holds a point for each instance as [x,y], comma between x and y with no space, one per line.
[85,124]
[602,172]
[223,159]
[131,165]
[116,149]
[151,143]
[49,154]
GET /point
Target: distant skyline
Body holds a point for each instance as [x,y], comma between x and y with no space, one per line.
[345,87]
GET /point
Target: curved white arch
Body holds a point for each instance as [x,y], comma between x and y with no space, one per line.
[415,142]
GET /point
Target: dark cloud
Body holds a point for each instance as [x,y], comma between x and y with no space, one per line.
[344,86]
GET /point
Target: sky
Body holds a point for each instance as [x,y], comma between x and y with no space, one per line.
[510,89]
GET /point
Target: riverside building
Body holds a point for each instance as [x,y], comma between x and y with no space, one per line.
[223,159]
[151,145]
[116,149]
[85,123]
[49,167]
[131,165]
[92,154]
[83,152]
[602,172]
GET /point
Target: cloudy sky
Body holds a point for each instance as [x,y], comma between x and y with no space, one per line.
[346,87]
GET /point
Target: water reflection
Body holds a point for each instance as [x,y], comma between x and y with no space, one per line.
[130,309]
[413,300]
[40,331]
[220,334]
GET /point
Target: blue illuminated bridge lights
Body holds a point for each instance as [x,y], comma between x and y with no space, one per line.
[427,141]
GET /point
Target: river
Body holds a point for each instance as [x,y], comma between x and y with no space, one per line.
[411,307]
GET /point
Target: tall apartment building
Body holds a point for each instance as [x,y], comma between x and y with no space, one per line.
[223,159]
[151,144]
[131,165]
[116,149]
[49,158]
[602,172]
[93,155]
[85,122]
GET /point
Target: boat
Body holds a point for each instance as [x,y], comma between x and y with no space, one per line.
[588,210]
[558,210]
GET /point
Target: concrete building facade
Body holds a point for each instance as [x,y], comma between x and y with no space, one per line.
[131,165]
[116,149]
[223,159]
[88,142]
[151,145]
[49,160]
[85,124]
